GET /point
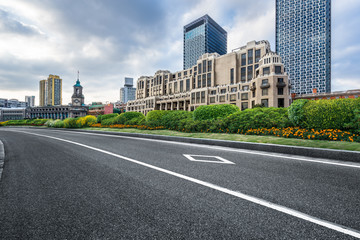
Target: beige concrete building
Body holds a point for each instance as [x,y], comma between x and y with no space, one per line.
[247,76]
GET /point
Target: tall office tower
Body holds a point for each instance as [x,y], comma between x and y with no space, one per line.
[30,100]
[128,91]
[201,36]
[43,93]
[51,91]
[303,40]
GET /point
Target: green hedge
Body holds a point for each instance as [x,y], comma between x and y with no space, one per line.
[172,119]
[130,118]
[296,112]
[154,118]
[330,114]
[258,118]
[206,112]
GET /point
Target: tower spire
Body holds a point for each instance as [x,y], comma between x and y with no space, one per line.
[78,75]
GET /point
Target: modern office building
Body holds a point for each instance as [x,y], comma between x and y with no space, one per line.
[30,100]
[303,41]
[51,91]
[201,36]
[12,103]
[247,76]
[127,93]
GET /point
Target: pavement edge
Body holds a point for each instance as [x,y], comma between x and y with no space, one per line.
[2,157]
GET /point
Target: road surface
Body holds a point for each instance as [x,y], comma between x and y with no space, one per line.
[71,185]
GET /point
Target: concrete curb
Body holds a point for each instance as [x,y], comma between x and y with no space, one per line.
[342,155]
[2,157]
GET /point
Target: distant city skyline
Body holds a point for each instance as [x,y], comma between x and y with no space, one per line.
[107,42]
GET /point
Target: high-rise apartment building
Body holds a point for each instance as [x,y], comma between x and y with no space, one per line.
[303,40]
[127,93]
[51,91]
[30,100]
[201,36]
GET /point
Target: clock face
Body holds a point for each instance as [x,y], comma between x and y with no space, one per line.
[77,100]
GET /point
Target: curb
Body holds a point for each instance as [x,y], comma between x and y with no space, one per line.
[2,157]
[342,155]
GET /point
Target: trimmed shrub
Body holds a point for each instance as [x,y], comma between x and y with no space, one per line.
[330,114]
[49,123]
[86,121]
[173,118]
[58,123]
[98,118]
[108,116]
[214,111]
[70,123]
[153,118]
[108,121]
[296,112]
[129,118]
[258,118]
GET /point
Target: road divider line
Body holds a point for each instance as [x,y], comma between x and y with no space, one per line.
[254,152]
[286,210]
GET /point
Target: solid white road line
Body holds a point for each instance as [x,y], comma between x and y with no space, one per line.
[303,159]
[289,211]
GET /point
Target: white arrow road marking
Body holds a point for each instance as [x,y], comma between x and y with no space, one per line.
[204,158]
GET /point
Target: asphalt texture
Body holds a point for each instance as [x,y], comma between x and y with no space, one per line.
[51,189]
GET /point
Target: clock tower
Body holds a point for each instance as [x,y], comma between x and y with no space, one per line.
[77,98]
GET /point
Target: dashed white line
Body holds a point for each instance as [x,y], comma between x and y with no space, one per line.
[289,211]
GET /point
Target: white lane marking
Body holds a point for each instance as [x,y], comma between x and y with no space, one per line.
[289,211]
[303,159]
[205,158]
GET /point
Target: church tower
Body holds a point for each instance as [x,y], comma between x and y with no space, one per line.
[77,98]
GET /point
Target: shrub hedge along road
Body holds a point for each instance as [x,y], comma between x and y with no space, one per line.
[335,120]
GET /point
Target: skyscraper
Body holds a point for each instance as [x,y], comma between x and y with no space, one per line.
[51,91]
[128,91]
[303,40]
[201,36]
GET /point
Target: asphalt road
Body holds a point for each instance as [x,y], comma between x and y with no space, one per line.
[69,185]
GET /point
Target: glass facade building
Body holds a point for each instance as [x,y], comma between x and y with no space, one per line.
[303,40]
[201,36]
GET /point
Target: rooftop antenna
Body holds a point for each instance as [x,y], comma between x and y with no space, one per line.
[78,74]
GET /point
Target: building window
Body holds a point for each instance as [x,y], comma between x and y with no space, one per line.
[266,71]
[265,102]
[209,79]
[231,76]
[264,92]
[179,74]
[199,67]
[243,74]
[257,55]
[253,94]
[234,89]
[203,97]
[245,88]
[192,98]
[244,106]
[243,59]
[252,104]
[280,91]
[264,81]
[250,56]
[175,87]
[204,80]
[185,73]
[209,66]
[222,91]
[213,92]
[198,97]
[204,66]
[195,69]
[233,97]
[250,73]
[222,98]
[212,100]
[199,81]
[244,96]
[181,86]
[277,69]
[187,84]
[281,102]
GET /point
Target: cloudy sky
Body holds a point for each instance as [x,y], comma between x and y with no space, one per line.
[107,40]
